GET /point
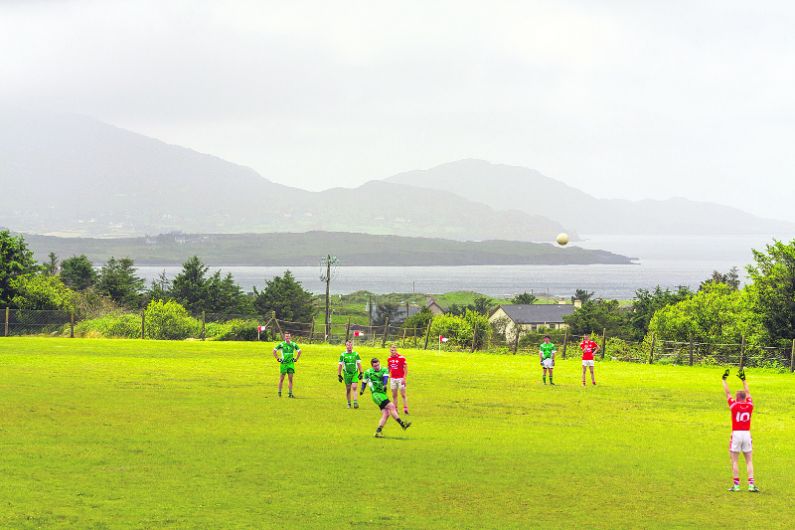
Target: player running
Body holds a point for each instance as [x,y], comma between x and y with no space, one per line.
[741,410]
[546,354]
[291,352]
[349,370]
[589,348]
[398,370]
[376,378]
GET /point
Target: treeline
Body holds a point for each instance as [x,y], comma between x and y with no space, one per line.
[74,284]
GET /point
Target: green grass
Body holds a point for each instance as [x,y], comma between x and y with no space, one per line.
[146,434]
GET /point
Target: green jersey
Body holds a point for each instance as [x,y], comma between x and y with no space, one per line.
[349,360]
[288,351]
[375,380]
[547,349]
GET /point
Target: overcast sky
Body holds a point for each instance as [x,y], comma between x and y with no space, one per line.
[623,99]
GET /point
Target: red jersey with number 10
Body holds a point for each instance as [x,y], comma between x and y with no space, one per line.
[397,366]
[588,347]
[741,414]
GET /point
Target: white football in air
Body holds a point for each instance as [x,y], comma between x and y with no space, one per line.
[562,239]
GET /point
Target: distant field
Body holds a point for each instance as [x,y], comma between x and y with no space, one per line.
[146,434]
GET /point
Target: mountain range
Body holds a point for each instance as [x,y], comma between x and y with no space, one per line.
[70,175]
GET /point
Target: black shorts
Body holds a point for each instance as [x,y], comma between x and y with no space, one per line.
[383,404]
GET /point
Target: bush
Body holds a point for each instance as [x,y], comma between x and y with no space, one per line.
[455,328]
[237,329]
[169,321]
[126,326]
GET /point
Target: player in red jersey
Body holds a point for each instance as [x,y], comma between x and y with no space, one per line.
[589,348]
[741,410]
[398,370]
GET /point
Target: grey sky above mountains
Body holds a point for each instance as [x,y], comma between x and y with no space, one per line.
[621,99]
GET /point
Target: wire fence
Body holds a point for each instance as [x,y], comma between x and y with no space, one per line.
[490,339]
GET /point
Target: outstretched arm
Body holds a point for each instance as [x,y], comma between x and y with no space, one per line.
[741,375]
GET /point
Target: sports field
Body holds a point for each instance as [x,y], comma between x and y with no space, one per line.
[145,434]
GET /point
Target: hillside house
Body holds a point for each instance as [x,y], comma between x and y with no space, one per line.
[531,317]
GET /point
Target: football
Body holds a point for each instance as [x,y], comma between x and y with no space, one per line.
[562,239]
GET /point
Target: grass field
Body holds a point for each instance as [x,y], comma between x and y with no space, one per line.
[117,433]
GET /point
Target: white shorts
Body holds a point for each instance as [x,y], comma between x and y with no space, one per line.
[547,363]
[740,442]
[587,363]
[399,382]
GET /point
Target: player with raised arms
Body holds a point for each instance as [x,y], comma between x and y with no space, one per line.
[377,378]
[290,352]
[349,371]
[740,442]
[589,348]
[546,354]
[398,370]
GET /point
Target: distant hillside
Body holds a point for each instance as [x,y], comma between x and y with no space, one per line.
[290,249]
[527,190]
[71,175]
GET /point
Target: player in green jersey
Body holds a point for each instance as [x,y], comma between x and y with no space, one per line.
[377,378]
[546,354]
[290,353]
[349,370]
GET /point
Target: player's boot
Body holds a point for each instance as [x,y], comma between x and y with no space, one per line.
[752,488]
[290,395]
[349,404]
[378,433]
[406,412]
[405,425]
[356,404]
[735,487]
[280,394]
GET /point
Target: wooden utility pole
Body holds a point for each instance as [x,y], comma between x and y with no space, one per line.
[328,299]
[8,314]
[348,330]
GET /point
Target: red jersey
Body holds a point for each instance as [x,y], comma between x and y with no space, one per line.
[397,366]
[588,347]
[741,414]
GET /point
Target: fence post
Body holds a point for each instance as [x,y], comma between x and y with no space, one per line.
[403,342]
[604,342]
[742,352]
[474,338]
[691,350]
[143,324]
[516,339]
[312,331]
[347,330]
[8,311]
[72,324]
[204,324]
[565,341]
[386,330]
[278,326]
[428,333]
[651,351]
[792,357]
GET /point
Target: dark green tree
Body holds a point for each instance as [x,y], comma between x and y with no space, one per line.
[159,289]
[419,320]
[16,260]
[582,295]
[118,280]
[390,310]
[731,278]
[285,296]
[51,267]
[78,273]
[646,303]
[596,315]
[189,287]
[524,298]
[482,305]
[226,296]
[773,288]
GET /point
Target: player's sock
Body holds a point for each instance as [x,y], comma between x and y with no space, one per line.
[550,380]
[751,481]
[736,481]
[280,393]
[379,429]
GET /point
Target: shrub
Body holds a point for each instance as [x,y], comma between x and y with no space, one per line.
[169,321]
[237,329]
[455,328]
[127,326]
